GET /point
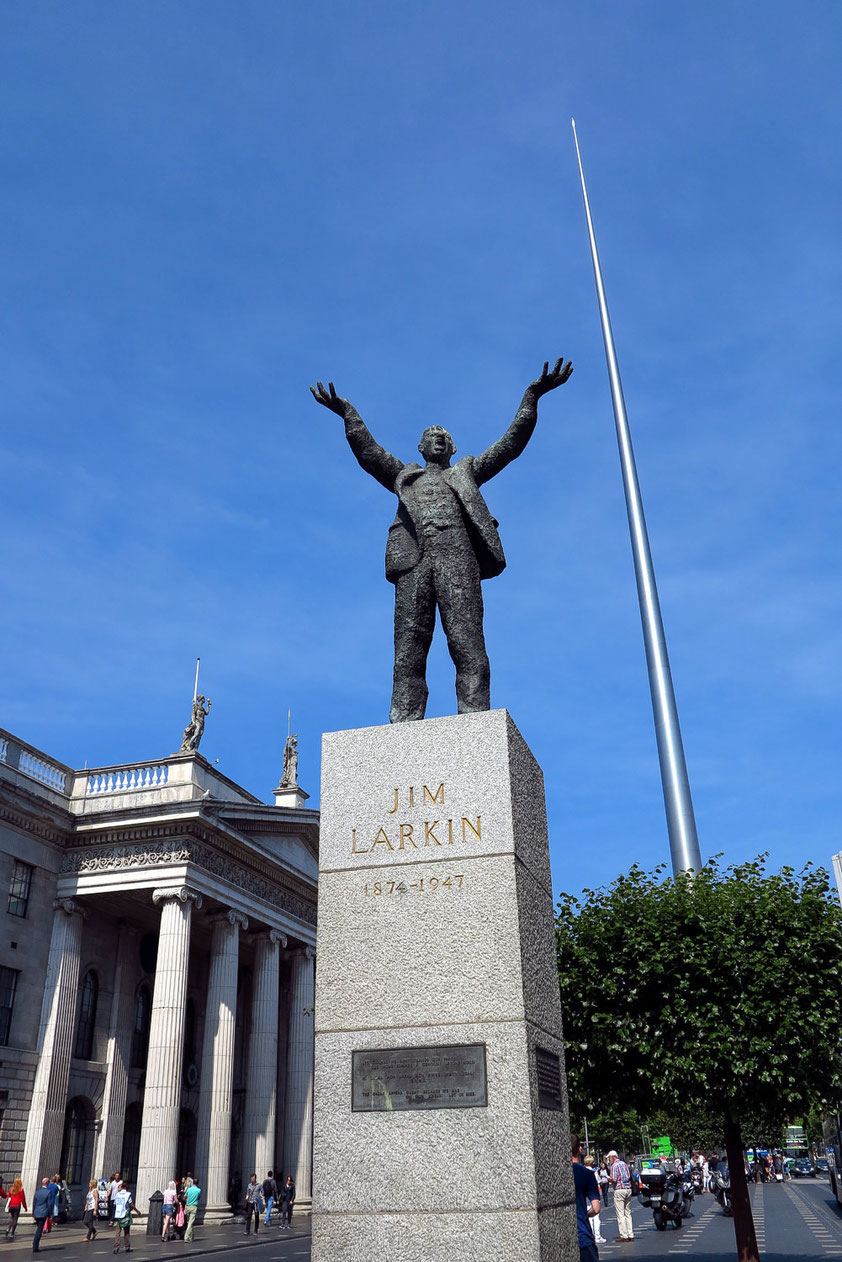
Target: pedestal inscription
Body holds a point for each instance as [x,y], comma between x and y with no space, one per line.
[392,1078]
[437,1002]
[548,1073]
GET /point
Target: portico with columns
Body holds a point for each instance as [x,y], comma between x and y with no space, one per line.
[192,904]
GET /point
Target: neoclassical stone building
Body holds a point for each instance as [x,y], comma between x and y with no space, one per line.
[157,978]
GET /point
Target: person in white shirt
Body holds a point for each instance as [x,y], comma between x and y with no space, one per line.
[113,1185]
[595,1223]
[124,1207]
[89,1217]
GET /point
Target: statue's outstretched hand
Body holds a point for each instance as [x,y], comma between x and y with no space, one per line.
[550,380]
[330,400]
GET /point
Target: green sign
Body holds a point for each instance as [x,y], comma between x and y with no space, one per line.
[662,1147]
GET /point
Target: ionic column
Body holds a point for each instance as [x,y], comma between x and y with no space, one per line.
[213,1143]
[162,1097]
[109,1143]
[45,1127]
[262,1075]
[298,1131]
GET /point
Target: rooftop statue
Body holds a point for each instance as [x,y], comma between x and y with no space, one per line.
[442,544]
[196,726]
[289,776]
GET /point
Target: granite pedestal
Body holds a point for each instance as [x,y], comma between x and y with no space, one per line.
[440,1119]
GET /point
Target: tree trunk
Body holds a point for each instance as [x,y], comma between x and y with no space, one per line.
[743,1221]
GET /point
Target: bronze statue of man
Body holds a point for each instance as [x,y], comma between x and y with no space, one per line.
[442,544]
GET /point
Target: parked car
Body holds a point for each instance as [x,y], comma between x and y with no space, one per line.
[803,1168]
[821,1165]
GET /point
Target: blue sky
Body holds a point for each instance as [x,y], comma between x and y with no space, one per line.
[208,206]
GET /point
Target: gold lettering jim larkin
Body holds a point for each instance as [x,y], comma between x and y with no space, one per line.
[395,837]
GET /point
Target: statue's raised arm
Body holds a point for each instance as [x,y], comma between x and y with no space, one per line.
[510,446]
[380,463]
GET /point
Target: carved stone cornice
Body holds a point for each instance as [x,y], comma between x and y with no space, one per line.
[113,858]
[35,826]
[158,846]
[183,893]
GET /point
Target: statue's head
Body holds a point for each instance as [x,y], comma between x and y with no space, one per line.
[436,445]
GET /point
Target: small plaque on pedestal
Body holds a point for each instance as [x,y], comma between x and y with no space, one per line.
[391,1079]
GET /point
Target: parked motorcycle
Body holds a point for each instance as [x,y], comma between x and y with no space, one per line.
[662,1191]
[720,1185]
[688,1194]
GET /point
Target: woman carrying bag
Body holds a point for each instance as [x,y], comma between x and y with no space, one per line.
[15,1203]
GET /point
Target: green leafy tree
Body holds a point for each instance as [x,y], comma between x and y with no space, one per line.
[610,1128]
[813,1123]
[717,994]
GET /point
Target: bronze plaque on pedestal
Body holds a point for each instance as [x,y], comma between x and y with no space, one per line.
[392,1079]
[548,1073]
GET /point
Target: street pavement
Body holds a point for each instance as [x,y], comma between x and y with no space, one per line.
[67,1244]
[795,1222]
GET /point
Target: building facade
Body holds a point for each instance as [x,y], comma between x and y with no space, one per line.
[157,978]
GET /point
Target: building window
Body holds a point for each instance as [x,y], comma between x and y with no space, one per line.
[75,1161]
[87,1017]
[19,889]
[140,1035]
[8,985]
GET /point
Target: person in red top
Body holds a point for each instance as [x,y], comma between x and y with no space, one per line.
[17,1201]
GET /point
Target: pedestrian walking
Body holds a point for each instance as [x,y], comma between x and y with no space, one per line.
[168,1209]
[42,1203]
[604,1182]
[595,1223]
[89,1216]
[124,1207]
[587,1203]
[253,1204]
[64,1201]
[620,1176]
[270,1193]
[113,1187]
[191,1206]
[287,1202]
[53,1185]
[16,1203]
